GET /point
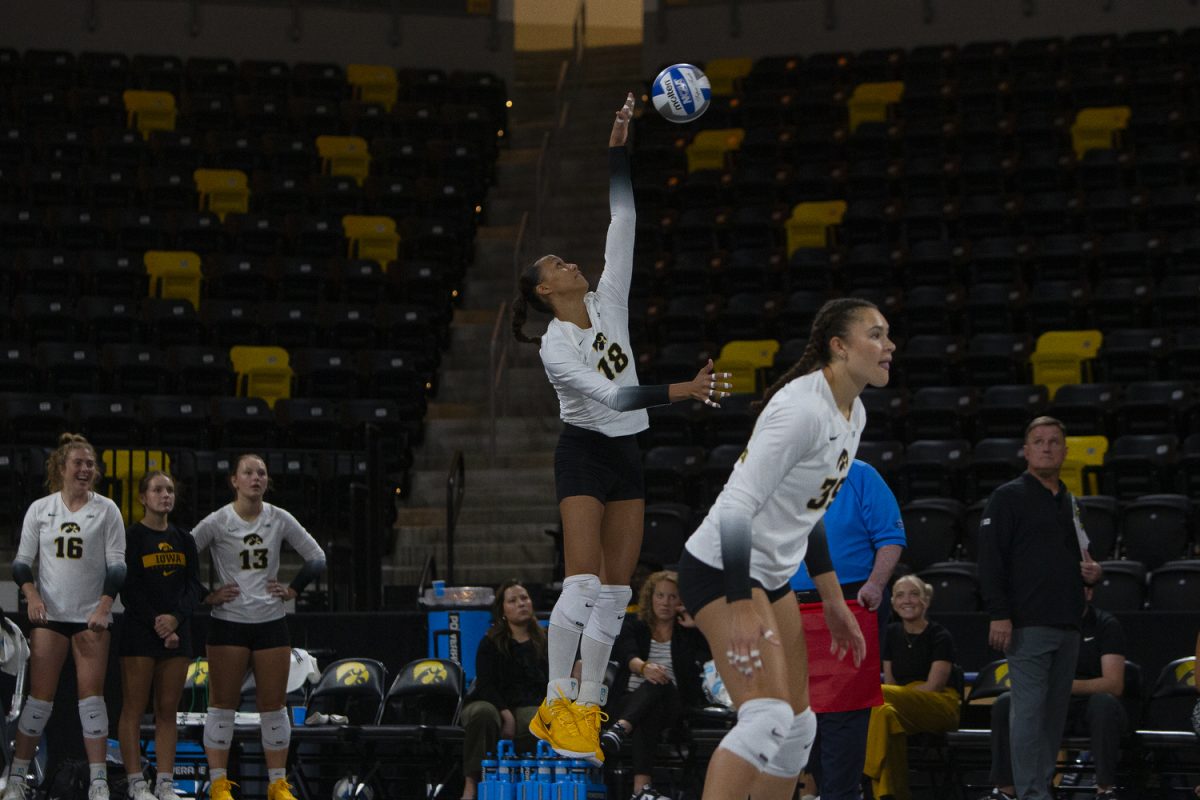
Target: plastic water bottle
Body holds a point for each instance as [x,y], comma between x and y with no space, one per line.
[572,785]
[527,787]
[547,760]
[509,770]
[489,788]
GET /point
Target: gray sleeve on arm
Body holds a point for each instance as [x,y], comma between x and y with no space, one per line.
[735,554]
[620,180]
[630,398]
[311,569]
[114,578]
[817,556]
[22,573]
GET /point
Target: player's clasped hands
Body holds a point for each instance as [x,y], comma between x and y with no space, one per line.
[710,387]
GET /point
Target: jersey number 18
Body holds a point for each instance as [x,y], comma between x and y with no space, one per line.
[619,361]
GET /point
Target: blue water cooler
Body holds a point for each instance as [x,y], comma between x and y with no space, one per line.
[457,617]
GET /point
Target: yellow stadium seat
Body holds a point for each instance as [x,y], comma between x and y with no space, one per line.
[149,111]
[747,359]
[371,237]
[708,148]
[123,470]
[1063,357]
[812,224]
[1098,128]
[870,102]
[723,73]
[373,83]
[345,155]
[1084,453]
[262,372]
[174,274]
[222,191]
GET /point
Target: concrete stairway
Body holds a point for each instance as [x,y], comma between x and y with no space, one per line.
[509,502]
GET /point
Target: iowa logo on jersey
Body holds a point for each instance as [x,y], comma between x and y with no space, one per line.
[352,673]
[429,672]
[252,539]
[68,528]
[167,558]
[843,460]
[600,342]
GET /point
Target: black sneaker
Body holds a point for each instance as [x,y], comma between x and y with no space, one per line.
[648,793]
[996,794]
[1108,794]
[610,741]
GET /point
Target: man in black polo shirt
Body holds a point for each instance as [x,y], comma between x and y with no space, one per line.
[1033,564]
[1095,709]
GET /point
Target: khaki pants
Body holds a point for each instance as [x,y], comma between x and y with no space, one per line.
[905,710]
[481,730]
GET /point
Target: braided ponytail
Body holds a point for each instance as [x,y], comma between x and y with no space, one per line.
[832,320]
[527,296]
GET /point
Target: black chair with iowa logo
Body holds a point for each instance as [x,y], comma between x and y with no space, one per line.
[427,691]
[351,688]
[347,697]
[418,740]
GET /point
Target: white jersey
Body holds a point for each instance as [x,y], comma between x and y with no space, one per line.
[796,460]
[247,553]
[588,366]
[74,550]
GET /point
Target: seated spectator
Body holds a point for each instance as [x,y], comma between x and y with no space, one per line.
[919,691]
[510,681]
[661,656]
[1095,709]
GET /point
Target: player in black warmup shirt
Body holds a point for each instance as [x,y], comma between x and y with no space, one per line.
[161,590]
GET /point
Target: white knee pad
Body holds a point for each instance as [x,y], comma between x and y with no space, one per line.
[218,728]
[574,606]
[609,613]
[34,717]
[276,729]
[793,754]
[93,717]
[762,727]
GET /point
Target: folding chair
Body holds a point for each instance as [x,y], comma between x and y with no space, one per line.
[123,471]
[222,191]
[747,360]
[373,83]
[174,275]
[709,149]
[149,111]
[344,155]
[1063,357]
[372,238]
[262,372]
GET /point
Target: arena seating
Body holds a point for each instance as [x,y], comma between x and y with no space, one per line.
[181,237]
[1023,214]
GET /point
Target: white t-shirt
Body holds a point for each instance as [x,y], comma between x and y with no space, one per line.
[796,460]
[588,366]
[247,553]
[74,550]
